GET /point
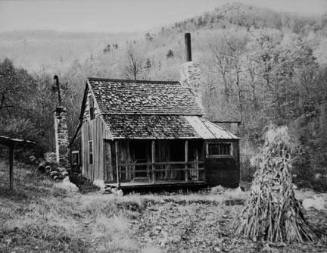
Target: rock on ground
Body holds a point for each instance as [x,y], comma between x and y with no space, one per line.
[66,185]
[316,202]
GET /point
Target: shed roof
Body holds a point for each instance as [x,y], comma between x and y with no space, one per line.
[144,97]
[208,130]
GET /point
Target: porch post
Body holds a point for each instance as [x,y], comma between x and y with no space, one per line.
[117,164]
[186,160]
[153,153]
[197,163]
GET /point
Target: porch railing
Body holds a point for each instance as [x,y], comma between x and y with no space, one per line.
[162,171]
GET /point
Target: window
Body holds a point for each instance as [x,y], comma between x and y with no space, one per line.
[217,149]
[90,152]
[91,104]
[75,158]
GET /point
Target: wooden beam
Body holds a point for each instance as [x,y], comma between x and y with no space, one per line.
[186,160]
[133,171]
[153,154]
[163,170]
[159,185]
[226,121]
[11,167]
[117,164]
[160,163]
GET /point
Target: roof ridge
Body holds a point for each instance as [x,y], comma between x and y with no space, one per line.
[133,81]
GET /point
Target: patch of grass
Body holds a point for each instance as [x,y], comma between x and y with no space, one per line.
[14,195]
[113,234]
[39,237]
[38,217]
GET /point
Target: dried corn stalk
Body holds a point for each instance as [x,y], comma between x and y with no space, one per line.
[272,212]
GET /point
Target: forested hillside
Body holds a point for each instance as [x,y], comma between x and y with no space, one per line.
[53,51]
[257,65]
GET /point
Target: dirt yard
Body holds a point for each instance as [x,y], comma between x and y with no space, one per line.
[39,217]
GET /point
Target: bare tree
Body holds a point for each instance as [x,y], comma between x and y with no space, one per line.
[135,64]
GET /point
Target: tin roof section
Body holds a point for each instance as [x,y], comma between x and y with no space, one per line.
[208,130]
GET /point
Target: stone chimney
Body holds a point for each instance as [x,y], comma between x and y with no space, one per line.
[190,71]
[61,130]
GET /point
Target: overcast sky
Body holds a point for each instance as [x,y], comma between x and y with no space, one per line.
[123,15]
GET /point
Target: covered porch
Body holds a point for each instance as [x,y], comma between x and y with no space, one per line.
[139,162]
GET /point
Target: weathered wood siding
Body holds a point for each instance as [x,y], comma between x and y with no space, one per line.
[224,171]
[109,161]
[93,130]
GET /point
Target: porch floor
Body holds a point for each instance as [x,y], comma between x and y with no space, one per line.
[160,185]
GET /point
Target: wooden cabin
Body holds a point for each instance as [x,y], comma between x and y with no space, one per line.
[152,133]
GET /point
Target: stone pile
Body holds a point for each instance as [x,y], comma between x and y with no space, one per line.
[51,167]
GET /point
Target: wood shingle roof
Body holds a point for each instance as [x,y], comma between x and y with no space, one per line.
[152,110]
[163,127]
[144,97]
[149,126]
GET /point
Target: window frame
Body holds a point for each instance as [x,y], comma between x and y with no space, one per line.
[91,156]
[208,155]
[78,161]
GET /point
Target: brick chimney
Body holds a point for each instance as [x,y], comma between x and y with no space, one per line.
[61,130]
[190,71]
